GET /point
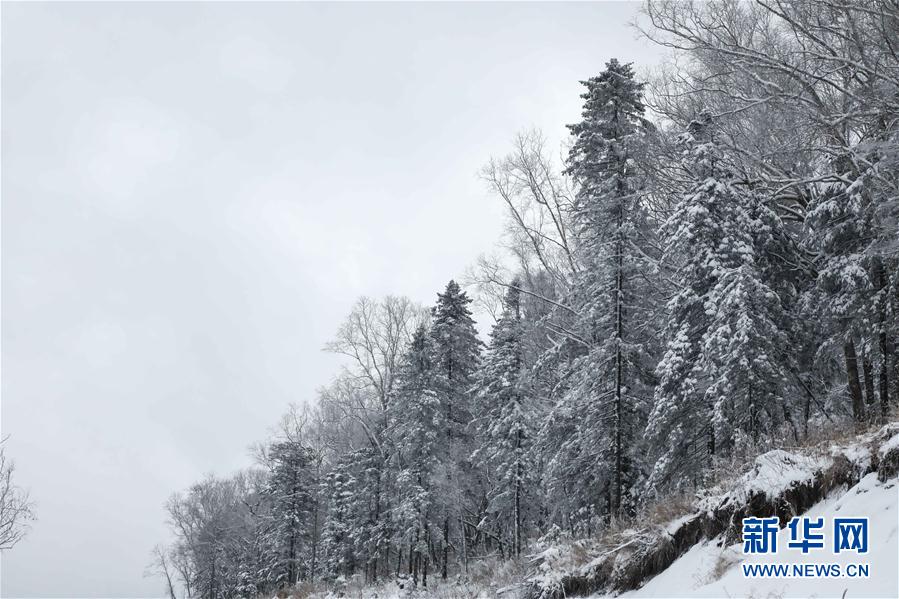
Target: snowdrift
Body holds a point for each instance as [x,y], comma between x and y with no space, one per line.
[699,555]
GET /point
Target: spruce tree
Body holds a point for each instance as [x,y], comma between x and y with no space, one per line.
[456,355]
[417,425]
[291,486]
[504,427]
[604,385]
[856,276]
[724,370]
[456,360]
[338,538]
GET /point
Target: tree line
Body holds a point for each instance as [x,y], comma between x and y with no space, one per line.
[710,270]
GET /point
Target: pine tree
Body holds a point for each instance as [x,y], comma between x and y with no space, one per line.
[504,427]
[609,295]
[456,359]
[856,275]
[291,486]
[456,355]
[338,547]
[257,568]
[373,529]
[724,369]
[416,426]
[745,349]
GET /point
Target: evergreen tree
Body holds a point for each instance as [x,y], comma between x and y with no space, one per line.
[373,529]
[291,486]
[456,359]
[610,294]
[855,268]
[417,426]
[338,547]
[745,346]
[456,356]
[505,426]
[255,541]
[724,369]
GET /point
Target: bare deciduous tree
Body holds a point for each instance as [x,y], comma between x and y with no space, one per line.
[373,336]
[538,201]
[160,565]
[16,508]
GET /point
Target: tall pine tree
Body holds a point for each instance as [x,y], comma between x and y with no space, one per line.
[456,358]
[610,295]
[417,425]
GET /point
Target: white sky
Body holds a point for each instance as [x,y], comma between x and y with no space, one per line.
[194,195]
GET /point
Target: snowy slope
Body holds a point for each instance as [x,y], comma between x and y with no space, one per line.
[708,570]
[699,554]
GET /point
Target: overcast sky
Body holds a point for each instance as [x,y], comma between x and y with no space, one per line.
[193,197]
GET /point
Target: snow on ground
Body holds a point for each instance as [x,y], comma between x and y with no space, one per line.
[708,570]
[490,578]
[772,473]
[889,445]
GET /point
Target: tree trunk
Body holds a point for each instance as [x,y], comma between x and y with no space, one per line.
[411,558]
[619,336]
[443,567]
[212,580]
[618,384]
[377,517]
[753,416]
[886,356]
[464,541]
[855,388]
[806,411]
[314,542]
[868,374]
[414,561]
[886,349]
[518,495]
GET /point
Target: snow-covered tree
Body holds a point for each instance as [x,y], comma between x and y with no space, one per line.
[291,487]
[856,278]
[456,357]
[255,538]
[338,530]
[504,425]
[417,425]
[810,114]
[726,360]
[605,384]
[373,337]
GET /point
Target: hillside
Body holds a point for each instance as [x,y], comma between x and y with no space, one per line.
[699,554]
[709,569]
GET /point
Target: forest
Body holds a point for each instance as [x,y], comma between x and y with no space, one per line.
[708,268]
